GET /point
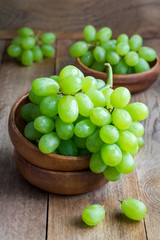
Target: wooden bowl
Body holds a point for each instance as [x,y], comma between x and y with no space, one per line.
[31,153]
[59,182]
[135,82]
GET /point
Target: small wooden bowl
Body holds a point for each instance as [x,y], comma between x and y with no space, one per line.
[31,153]
[59,182]
[135,82]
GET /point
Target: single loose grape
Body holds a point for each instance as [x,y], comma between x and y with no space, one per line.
[26,112]
[142,66]
[99,54]
[96,97]
[112,174]
[107,93]
[28,42]
[121,119]
[137,129]
[138,111]
[25,32]
[48,38]
[111,154]
[89,33]
[127,141]
[37,54]
[94,142]
[27,57]
[78,49]
[14,50]
[127,163]
[109,134]
[31,133]
[140,142]
[100,116]
[49,105]
[70,84]
[120,97]
[98,66]
[85,105]
[109,45]
[87,59]
[104,34]
[131,58]
[44,87]
[149,54]
[96,163]
[135,42]
[80,142]
[122,48]
[44,124]
[122,38]
[93,215]
[64,130]
[84,128]
[48,143]
[88,83]
[100,84]
[34,98]
[68,71]
[47,50]
[112,57]
[121,67]
[68,148]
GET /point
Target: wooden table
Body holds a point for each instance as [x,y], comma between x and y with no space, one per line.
[27,213]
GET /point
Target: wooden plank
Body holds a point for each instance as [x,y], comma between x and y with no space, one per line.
[23,208]
[2,44]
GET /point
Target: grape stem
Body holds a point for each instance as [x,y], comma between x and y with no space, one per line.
[109,75]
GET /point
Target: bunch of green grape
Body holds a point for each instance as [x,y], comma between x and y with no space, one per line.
[126,55]
[74,115]
[29,48]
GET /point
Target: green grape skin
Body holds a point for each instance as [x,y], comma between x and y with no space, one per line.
[99,54]
[27,57]
[87,59]
[85,105]
[111,154]
[55,77]
[34,98]
[131,59]
[133,209]
[36,111]
[100,84]
[109,134]
[93,215]
[79,118]
[45,86]
[44,124]
[122,48]
[47,38]
[68,109]
[98,66]
[134,152]
[25,32]
[84,128]
[100,116]
[37,54]
[104,34]
[78,49]
[88,83]
[109,45]
[89,33]
[122,38]
[96,163]
[70,84]
[26,112]
[112,57]
[14,50]
[147,53]
[127,141]
[94,142]
[135,42]
[121,119]
[120,97]
[107,93]
[127,163]
[28,43]
[83,152]
[130,70]
[142,66]
[80,142]
[137,129]
[120,68]
[96,97]
[112,174]
[31,133]
[49,105]
[70,70]
[138,111]
[48,143]
[48,51]
[16,41]
[68,148]
[64,130]
[140,142]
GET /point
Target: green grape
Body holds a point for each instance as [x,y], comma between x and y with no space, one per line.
[99,54]
[68,148]
[127,163]
[133,209]
[98,66]
[122,48]
[64,130]
[134,152]
[25,32]
[68,109]
[84,128]
[131,58]
[141,66]
[138,111]
[27,57]
[96,163]
[112,174]
[49,143]
[44,87]
[28,42]
[88,83]
[34,98]
[87,59]
[100,84]
[130,70]
[109,134]
[37,54]
[14,50]
[16,41]
[120,97]
[104,34]
[78,49]
[112,57]
[93,215]
[135,42]
[140,142]
[26,112]
[79,118]
[109,45]
[31,133]
[107,93]
[100,116]
[49,105]
[122,38]
[137,129]
[121,119]
[83,152]
[48,38]
[121,67]
[96,97]
[80,142]
[70,84]
[111,154]
[149,54]
[48,51]
[127,141]
[85,105]
[44,124]
[55,77]
[36,111]
[70,70]
[89,33]
[94,143]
